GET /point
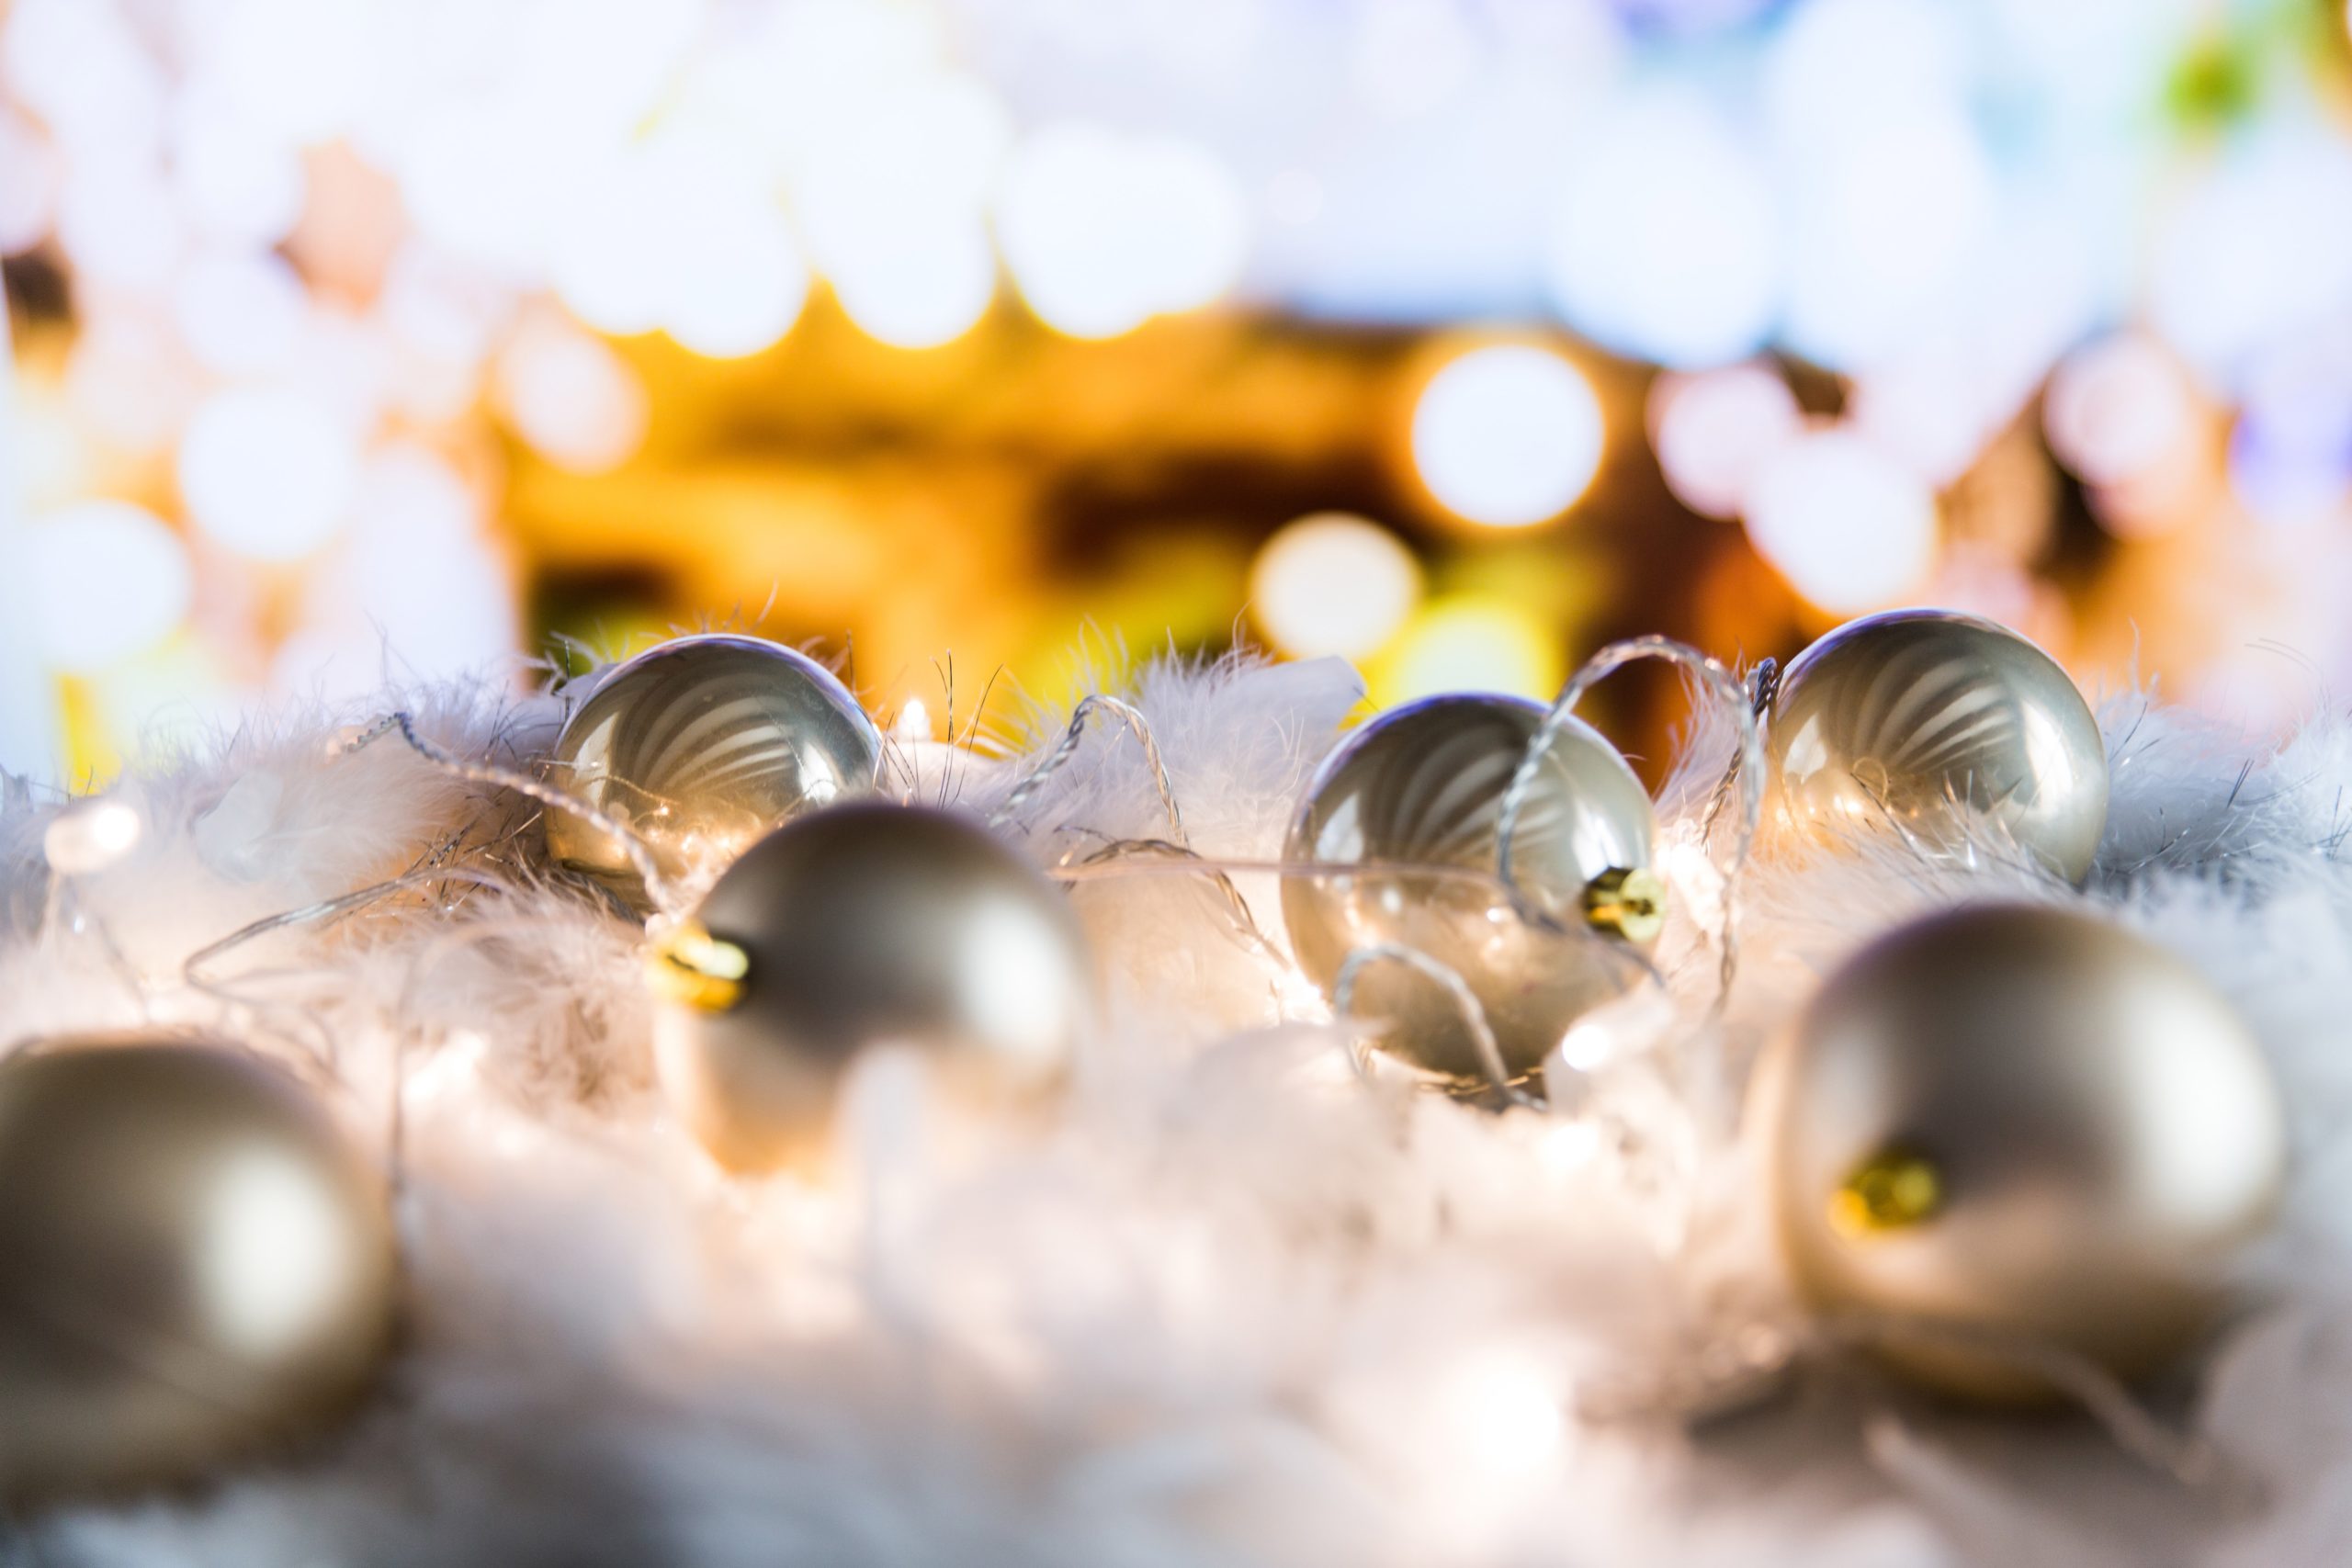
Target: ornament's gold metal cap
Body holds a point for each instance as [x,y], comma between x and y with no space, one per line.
[696,969]
[1891,1190]
[1626,901]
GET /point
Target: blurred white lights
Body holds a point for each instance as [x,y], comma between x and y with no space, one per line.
[1850,527]
[2118,408]
[295,68]
[1925,410]
[1666,244]
[117,224]
[28,177]
[1508,436]
[1841,67]
[2259,252]
[682,234]
[1333,583]
[571,397]
[129,382]
[415,584]
[1714,431]
[236,185]
[921,294]
[109,581]
[83,69]
[1104,231]
[239,312]
[1883,225]
[266,472]
[894,206]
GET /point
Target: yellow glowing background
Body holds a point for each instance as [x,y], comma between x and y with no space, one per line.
[355,340]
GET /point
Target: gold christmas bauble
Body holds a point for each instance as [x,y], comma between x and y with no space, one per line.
[868,924]
[1921,718]
[1423,783]
[194,1265]
[700,746]
[2025,1124]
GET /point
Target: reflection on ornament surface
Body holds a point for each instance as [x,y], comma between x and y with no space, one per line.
[2010,1131]
[1423,784]
[1924,719]
[197,1266]
[863,926]
[699,746]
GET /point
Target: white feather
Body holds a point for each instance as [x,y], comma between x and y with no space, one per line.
[1232,1305]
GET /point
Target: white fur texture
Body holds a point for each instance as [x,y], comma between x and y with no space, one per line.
[1232,1307]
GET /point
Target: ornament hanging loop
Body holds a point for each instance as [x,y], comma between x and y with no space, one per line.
[1747,769]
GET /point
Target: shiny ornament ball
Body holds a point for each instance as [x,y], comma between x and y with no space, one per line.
[1924,717]
[700,746]
[194,1265]
[869,924]
[1423,783]
[2021,1123]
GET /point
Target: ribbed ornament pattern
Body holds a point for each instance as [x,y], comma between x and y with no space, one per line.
[701,745]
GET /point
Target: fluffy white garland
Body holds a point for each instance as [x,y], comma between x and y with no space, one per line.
[1233,1305]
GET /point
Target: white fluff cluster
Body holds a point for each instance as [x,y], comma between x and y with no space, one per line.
[1233,1305]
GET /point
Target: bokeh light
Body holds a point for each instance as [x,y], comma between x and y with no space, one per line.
[266,472]
[1332,583]
[1713,432]
[923,325]
[1470,643]
[2116,408]
[1508,436]
[241,312]
[571,397]
[1851,528]
[1105,231]
[110,580]
[929,289]
[1666,244]
[414,592]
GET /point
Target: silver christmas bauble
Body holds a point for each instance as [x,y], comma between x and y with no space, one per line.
[1423,783]
[193,1264]
[1921,718]
[2024,1125]
[700,746]
[868,924]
